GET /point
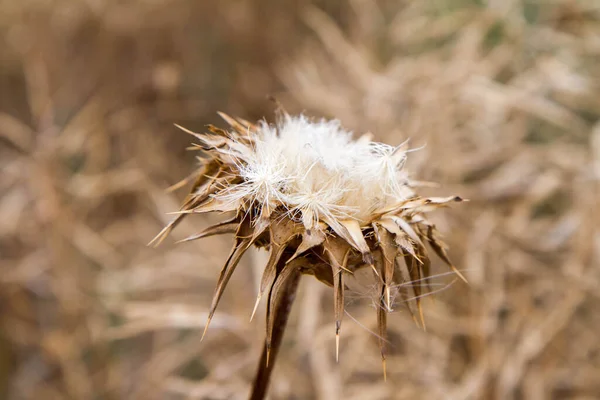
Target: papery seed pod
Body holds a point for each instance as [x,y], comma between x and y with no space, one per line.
[321,203]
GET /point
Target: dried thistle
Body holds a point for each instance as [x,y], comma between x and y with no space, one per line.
[321,203]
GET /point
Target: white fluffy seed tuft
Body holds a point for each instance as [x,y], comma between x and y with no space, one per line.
[315,169]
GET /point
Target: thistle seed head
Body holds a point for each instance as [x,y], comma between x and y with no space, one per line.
[320,202]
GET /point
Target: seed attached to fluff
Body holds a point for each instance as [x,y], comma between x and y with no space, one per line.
[322,204]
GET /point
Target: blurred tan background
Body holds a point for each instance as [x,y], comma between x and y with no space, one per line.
[503,95]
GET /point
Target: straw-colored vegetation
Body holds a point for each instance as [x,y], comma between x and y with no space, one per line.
[504,97]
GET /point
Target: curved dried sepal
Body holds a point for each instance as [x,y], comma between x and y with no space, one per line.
[400,277]
[198,136]
[310,238]
[205,181]
[218,131]
[350,231]
[438,247]
[389,250]
[403,242]
[247,124]
[445,200]
[358,239]
[281,232]
[232,122]
[243,241]
[388,223]
[425,262]
[418,204]
[382,331]
[207,142]
[338,251]
[414,272]
[216,204]
[164,232]
[405,226]
[261,225]
[203,186]
[222,228]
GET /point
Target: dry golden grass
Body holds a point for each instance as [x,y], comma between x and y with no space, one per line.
[505,97]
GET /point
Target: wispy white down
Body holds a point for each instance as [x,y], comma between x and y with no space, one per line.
[318,172]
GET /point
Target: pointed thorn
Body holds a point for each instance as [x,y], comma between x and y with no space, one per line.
[457,272]
[188,239]
[188,131]
[374,270]
[255,306]
[180,212]
[161,236]
[206,327]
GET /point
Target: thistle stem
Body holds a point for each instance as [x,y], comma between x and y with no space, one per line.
[269,355]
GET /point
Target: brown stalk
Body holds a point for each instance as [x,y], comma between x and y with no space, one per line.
[280,316]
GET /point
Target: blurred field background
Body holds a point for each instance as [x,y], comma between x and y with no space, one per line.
[503,95]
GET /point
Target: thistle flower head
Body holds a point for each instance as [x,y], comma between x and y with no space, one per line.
[319,201]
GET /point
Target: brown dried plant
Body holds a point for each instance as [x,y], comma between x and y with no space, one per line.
[504,94]
[322,205]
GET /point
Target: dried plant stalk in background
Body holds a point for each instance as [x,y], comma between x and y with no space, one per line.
[322,204]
